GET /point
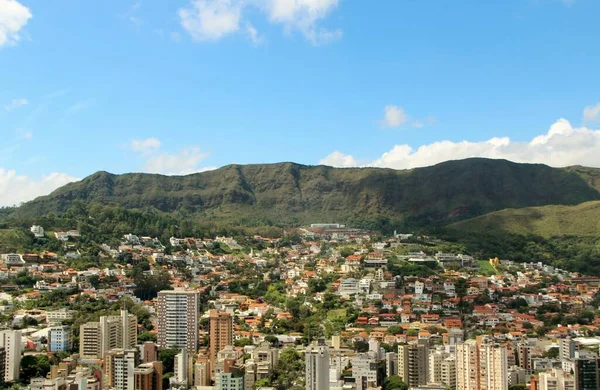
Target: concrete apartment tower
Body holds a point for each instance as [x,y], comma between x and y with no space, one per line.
[412,364]
[220,334]
[481,366]
[10,340]
[317,367]
[119,369]
[178,320]
[110,332]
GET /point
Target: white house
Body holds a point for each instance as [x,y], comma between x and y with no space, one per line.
[37,231]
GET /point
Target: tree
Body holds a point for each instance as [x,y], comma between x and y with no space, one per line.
[317,285]
[361,346]
[394,382]
[34,367]
[146,336]
[273,340]
[290,370]
[395,329]
[167,357]
[461,286]
[242,342]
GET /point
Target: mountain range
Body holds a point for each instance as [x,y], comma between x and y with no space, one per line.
[292,194]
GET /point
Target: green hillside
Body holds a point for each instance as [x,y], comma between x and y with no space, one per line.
[288,193]
[546,221]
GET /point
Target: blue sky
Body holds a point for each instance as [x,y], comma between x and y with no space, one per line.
[183,86]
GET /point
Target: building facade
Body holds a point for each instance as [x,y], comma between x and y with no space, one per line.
[178,320]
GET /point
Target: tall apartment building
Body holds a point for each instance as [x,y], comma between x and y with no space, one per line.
[178,320]
[59,339]
[364,370]
[2,364]
[148,376]
[412,364]
[586,371]
[391,364]
[10,340]
[148,352]
[110,332]
[119,369]
[220,334]
[448,377]
[436,358]
[481,366]
[317,367]
[567,348]
[467,366]
[493,367]
[524,357]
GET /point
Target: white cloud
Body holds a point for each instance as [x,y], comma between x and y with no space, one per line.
[304,15]
[156,161]
[210,20]
[592,113]
[13,17]
[79,106]
[182,163]
[562,145]
[147,145]
[16,103]
[15,188]
[253,34]
[28,135]
[339,159]
[394,116]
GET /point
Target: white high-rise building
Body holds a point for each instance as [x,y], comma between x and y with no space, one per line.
[317,367]
[10,340]
[119,368]
[178,320]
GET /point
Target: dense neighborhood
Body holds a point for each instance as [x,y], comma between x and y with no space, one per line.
[322,307]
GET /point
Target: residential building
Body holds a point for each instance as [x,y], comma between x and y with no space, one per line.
[448,377]
[412,364]
[37,231]
[149,352]
[391,364]
[349,287]
[119,369]
[231,380]
[317,367]
[524,357]
[149,376]
[220,334]
[586,371]
[59,339]
[10,340]
[178,320]
[56,317]
[2,364]
[556,379]
[110,332]
[481,366]
[364,370]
